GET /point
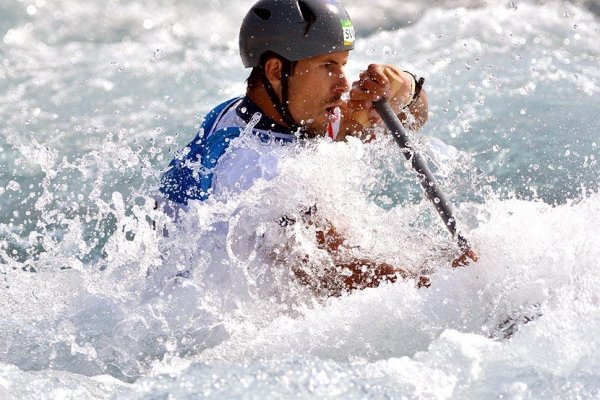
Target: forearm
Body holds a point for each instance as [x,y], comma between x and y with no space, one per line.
[346,276]
[351,272]
[419,111]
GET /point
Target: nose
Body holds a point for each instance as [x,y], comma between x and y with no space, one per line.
[342,85]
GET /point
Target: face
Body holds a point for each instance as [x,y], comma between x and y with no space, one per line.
[316,88]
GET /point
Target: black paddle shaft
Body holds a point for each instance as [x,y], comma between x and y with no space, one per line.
[430,186]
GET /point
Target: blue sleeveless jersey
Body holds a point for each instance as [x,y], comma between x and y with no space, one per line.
[190,175]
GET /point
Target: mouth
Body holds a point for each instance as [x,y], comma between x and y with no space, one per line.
[330,111]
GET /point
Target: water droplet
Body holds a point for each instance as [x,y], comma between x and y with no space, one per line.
[14,186]
[523,111]
[148,24]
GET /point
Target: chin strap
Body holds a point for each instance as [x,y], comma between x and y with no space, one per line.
[282,106]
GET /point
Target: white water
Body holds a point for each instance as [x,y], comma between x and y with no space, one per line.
[95,99]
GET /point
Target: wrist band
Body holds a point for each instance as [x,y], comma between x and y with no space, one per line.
[416,87]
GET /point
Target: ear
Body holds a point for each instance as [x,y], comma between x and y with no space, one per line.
[274,71]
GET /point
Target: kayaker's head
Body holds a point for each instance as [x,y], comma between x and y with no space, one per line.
[297,50]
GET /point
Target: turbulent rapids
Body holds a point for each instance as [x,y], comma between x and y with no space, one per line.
[98,303]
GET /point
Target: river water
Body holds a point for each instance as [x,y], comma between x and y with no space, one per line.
[97,97]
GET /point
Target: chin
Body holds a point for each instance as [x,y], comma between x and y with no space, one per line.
[313,128]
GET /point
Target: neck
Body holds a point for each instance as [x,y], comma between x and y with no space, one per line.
[259,96]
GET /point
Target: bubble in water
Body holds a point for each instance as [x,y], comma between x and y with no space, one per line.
[466,127]
[157,53]
[523,111]
[14,186]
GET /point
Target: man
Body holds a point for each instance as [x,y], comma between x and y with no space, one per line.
[297,50]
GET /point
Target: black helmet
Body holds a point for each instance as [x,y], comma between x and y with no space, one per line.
[295,30]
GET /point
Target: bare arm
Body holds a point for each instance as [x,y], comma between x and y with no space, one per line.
[350,273]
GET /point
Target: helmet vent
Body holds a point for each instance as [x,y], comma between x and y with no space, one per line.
[307,14]
[262,13]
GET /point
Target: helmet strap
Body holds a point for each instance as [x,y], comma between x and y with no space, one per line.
[283,105]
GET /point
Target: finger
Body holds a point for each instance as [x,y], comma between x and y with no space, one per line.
[374,116]
[358,94]
[460,261]
[368,90]
[376,73]
[375,90]
[463,259]
[472,255]
[359,105]
[423,281]
[363,76]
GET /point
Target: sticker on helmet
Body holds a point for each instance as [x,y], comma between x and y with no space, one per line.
[348,30]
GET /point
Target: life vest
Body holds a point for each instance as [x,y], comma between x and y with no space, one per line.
[199,170]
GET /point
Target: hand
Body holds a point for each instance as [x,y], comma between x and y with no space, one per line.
[463,259]
[378,81]
[423,281]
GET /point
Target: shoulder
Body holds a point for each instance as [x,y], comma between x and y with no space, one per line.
[214,116]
